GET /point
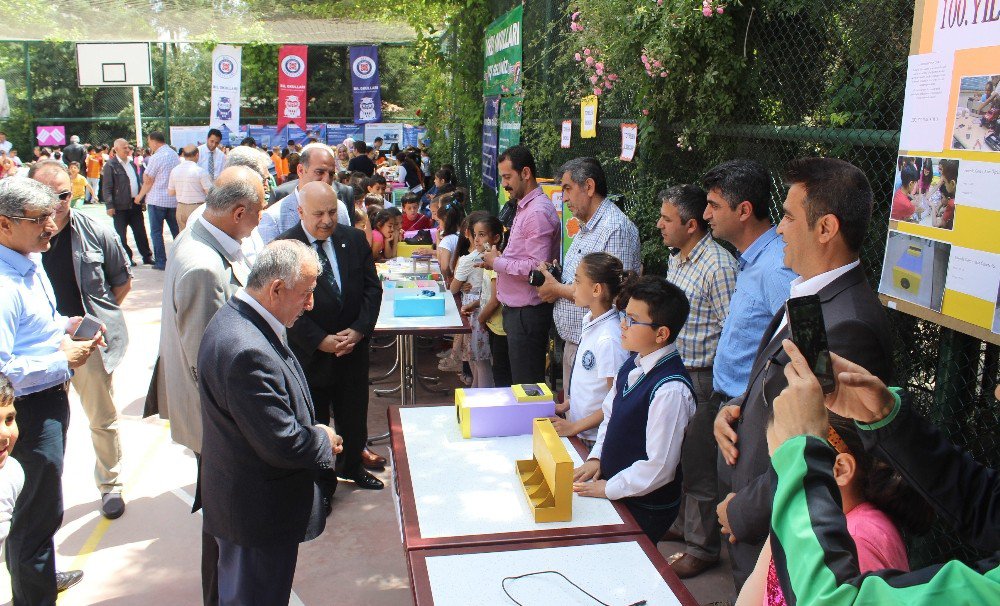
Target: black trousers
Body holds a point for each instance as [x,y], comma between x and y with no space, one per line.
[251,576]
[209,553]
[344,397]
[653,522]
[527,331]
[133,218]
[501,359]
[31,557]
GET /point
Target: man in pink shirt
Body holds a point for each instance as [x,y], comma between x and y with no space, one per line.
[534,238]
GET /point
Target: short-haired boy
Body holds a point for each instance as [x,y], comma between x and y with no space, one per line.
[636,459]
[11,473]
[412,218]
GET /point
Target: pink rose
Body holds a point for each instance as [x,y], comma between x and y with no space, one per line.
[645,59]
[659,2]
[575,16]
[706,11]
[600,65]
[598,91]
[578,57]
[600,72]
[719,10]
[607,85]
[645,112]
[593,79]
[663,74]
[586,51]
[657,64]
[613,77]
[590,60]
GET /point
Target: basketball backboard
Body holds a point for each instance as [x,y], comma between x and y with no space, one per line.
[113,64]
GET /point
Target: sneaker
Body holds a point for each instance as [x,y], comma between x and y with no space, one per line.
[466,379]
[65,580]
[112,505]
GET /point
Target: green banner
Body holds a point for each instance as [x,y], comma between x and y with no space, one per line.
[510,122]
[502,67]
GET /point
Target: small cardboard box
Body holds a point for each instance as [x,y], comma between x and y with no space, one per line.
[547,477]
[414,302]
[495,412]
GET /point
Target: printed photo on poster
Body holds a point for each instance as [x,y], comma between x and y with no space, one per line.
[915,269]
[923,192]
[976,125]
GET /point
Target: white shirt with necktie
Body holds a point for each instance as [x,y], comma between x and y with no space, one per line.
[211,160]
[812,286]
[331,254]
[241,267]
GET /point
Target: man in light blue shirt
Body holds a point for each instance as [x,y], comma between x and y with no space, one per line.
[36,355]
[161,205]
[739,193]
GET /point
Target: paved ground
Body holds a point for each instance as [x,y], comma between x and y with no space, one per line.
[151,555]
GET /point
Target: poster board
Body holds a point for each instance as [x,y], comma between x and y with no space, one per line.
[942,260]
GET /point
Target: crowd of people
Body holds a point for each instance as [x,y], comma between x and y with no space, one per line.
[701,415]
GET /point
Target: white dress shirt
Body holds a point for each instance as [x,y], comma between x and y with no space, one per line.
[232,247]
[670,410]
[274,323]
[204,156]
[133,177]
[812,286]
[330,254]
[189,182]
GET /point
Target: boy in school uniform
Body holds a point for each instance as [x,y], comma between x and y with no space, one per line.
[636,459]
[11,473]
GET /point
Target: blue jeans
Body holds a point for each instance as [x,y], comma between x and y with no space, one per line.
[157,215]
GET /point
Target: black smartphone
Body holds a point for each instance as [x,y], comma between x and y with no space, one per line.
[805,322]
[532,390]
[88,329]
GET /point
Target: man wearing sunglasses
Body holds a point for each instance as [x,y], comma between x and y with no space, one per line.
[91,274]
[119,188]
[37,355]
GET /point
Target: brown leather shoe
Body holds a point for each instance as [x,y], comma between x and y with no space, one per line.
[370,460]
[670,535]
[688,566]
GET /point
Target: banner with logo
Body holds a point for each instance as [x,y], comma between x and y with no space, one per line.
[510,122]
[365,84]
[292,61]
[50,136]
[227,72]
[490,113]
[502,66]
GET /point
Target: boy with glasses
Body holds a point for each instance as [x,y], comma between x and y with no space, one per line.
[637,454]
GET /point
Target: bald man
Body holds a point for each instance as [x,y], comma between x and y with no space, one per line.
[207,266]
[189,183]
[331,340]
[119,188]
[90,274]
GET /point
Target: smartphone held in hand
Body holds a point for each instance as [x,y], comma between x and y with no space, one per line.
[88,329]
[805,322]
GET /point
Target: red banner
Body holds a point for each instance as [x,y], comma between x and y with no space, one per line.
[292,86]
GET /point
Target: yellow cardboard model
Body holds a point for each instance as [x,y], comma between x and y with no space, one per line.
[548,477]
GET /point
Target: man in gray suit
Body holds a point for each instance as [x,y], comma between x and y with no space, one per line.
[825,219]
[263,449]
[206,267]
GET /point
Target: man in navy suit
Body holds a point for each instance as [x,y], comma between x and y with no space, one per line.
[262,449]
[331,340]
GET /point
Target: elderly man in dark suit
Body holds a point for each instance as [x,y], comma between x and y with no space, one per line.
[331,340]
[825,219]
[262,447]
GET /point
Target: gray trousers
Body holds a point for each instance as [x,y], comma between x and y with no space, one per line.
[697,520]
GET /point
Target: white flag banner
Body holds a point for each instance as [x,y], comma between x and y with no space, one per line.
[567,134]
[226,75]
[4,102]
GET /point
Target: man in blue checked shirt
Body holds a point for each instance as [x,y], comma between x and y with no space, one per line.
[37,355]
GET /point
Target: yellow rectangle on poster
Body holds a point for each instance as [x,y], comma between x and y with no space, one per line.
[968,308]
[588,117]
[975,228]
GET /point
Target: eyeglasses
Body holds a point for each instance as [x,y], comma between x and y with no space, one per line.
[36,220]
[628,321]
[64,195]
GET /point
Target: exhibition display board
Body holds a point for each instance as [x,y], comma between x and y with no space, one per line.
[942,260]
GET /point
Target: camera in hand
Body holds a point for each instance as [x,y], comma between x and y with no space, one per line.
[537,278]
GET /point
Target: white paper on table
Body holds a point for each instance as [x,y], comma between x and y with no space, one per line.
[567,134]
[925,107]
[978,184]
[615,573]
[630,140]
[974,272]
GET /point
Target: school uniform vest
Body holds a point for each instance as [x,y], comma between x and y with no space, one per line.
[625,438]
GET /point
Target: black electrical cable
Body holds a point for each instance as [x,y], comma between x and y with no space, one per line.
[503,585]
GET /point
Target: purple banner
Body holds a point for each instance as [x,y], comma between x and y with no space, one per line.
[365,84]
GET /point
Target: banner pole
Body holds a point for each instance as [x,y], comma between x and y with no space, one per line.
[137,114]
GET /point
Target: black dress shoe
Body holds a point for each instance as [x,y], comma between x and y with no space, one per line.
[327,506]
[112,505]
[65,580]
[367,481]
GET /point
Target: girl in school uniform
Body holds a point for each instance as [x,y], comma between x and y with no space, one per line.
[600,278]
[481,230]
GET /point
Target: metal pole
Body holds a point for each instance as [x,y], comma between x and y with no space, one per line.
[166,94]
[137,113]
[29,94]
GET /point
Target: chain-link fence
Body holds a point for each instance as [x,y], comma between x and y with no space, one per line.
[820,79]
[41,80]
